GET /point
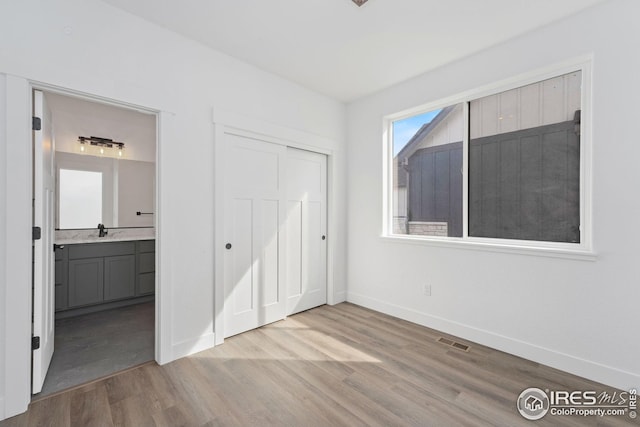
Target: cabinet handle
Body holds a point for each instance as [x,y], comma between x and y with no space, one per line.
[56,247]
[324,237]
[228,246]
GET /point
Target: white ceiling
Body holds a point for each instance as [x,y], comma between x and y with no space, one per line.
[344,51]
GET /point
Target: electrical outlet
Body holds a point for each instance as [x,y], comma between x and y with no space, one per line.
[426,289]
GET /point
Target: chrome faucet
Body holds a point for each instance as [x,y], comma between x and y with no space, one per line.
[103,231]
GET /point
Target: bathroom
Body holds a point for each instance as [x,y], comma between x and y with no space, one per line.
[104,210]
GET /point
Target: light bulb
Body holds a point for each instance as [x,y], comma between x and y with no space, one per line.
[82,148]
[101,150]
[120,152]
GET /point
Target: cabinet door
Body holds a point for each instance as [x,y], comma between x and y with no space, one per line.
[146,267]
[119,277]
[61,286]
[147,262]
[146,283]
[86,281]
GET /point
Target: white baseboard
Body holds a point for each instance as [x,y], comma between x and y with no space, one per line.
[338,297]
[191,346]
[584,368]
[17,409]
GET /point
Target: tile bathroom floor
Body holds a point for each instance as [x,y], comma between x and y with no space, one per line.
[95,345]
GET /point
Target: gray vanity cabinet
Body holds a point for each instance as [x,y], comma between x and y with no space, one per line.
[146,265]
[119,277]
[94,276]
[62,270]
[101,272]
[86,281]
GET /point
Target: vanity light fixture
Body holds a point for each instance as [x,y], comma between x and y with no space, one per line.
[101,144]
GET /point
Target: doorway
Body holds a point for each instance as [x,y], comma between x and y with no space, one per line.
[94,272]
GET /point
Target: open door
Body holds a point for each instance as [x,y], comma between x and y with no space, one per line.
[43,255]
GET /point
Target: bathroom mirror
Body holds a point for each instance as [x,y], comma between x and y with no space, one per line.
[95,190]
[80,199]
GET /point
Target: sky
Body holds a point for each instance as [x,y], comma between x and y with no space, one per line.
[403,130]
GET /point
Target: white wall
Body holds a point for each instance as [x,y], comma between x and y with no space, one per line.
[15,319]
[74,117]
[93,48]
[3,235]
[136,193]
[579,316]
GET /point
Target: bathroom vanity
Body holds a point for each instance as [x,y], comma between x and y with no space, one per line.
[95,275]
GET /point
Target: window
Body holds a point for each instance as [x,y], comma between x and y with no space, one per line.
[80,199]
[524,162]
[427,173]
[505,165]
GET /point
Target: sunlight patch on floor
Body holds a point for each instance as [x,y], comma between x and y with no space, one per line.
[309,345]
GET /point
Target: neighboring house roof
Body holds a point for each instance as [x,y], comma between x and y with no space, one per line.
[413,143]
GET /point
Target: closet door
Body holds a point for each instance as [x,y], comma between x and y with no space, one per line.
[254,211]
[306,230]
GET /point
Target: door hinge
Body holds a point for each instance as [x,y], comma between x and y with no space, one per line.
[35,343]
[36,233]
[36,123]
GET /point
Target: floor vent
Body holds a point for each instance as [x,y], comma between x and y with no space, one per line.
[454,344]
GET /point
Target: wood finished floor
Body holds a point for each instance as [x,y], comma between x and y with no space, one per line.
[330,366]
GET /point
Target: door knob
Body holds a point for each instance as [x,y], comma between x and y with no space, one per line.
[228,246]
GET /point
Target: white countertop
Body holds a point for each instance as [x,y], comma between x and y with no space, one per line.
[70,237]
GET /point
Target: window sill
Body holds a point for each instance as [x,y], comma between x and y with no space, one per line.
[517,247]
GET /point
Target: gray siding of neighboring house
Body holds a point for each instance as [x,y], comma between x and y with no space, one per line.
[435,186]
[526,184]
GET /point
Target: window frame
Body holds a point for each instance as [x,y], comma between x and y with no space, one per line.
[583,250]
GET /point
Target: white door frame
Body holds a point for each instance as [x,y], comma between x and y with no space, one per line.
[18,273]
[231,123]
